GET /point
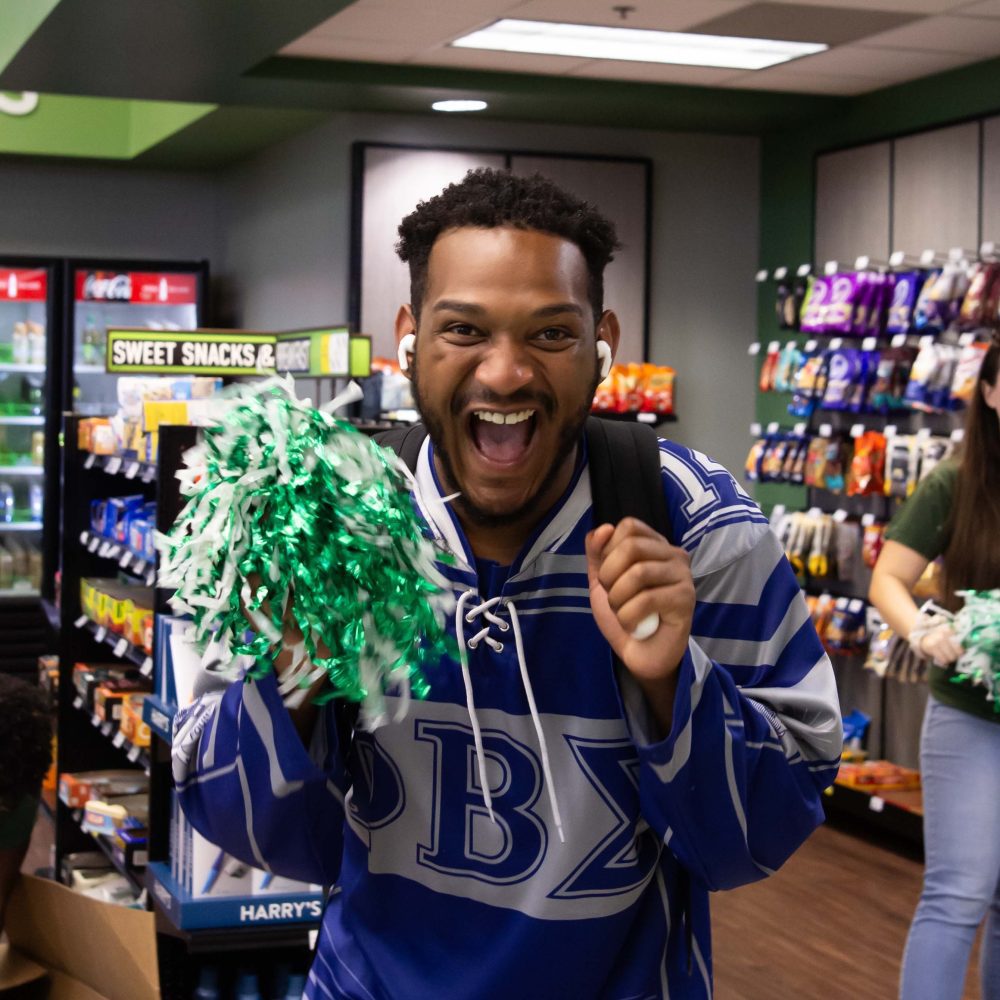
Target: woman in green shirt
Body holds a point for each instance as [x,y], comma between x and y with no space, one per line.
[955,513]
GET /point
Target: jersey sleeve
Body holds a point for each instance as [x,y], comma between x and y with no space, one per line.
[756,733]
[246,781]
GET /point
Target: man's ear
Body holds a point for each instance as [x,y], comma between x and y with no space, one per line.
[406,338]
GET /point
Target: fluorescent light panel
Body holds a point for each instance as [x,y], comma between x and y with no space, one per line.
[459,105]
[587,41]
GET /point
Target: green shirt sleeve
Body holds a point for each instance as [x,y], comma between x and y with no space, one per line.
[920,523]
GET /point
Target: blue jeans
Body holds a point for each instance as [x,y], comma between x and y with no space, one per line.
[960,766]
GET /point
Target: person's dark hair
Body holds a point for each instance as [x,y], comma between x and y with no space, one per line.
[972,558]
[25,740]
[488,199]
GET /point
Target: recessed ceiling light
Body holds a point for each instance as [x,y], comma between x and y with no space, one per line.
[588,41]
[459,105]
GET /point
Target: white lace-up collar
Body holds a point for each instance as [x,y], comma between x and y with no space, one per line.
[466,613]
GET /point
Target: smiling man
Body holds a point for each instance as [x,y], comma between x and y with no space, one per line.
[549,821]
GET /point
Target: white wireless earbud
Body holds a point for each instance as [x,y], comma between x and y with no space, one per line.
[604,354]
[407,345]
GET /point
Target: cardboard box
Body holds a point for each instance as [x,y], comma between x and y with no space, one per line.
[88,950]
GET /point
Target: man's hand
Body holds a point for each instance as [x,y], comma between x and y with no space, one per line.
[635,572]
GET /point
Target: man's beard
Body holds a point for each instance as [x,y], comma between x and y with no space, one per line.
[569,437]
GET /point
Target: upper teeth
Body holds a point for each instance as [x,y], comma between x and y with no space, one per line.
[492,417]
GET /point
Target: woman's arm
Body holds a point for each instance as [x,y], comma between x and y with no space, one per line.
[896,573]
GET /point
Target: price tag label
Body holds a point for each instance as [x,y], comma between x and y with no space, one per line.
[113,465]
[966,338]
[641,418]
[815,512]
[955,254]
[799,429]
[899,340]
[869,344]
[840,516]
[133,754]
[773,347]
[923,434]
[125,559]
[825,430]
[149,473]
[780,273]
[773,427]
[862,263]
[857,430]
[106,729]
[94,543]
[790,344]
[987,249]
[313,938]
[151,578]
[78,702]
[810,345]
[84,537]
[119,739]
[101,634]
[836,343]
[958,434]
[890,430]
[754,349]
[147,666]
[803,270]
[105,550]
[876,803]
[927,340]
[132,470]
[140,567]
[897,258]
[830,268]
[120,646]
[88,462]
[761,275]
[927,258]
[95,722]
[755,429]
[867,520]
[81,621]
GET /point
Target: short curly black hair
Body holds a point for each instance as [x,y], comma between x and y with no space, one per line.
[25,740]
[487,198]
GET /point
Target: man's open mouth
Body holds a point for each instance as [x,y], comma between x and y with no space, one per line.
[501,437]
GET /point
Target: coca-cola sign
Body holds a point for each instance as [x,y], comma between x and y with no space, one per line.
[103,286]
[17,285]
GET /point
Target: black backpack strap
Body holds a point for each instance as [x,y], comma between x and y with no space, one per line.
[625,478]
[406,442]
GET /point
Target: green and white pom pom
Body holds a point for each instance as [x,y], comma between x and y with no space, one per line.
[294,514]
[977,627]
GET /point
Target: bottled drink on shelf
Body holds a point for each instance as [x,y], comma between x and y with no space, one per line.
[6,502]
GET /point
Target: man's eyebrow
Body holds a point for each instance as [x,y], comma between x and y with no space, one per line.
[470,308]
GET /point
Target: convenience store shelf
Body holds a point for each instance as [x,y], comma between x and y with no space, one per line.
[21,369]
[32,421]
[18,592]
[20,526]
[120,646]
[111,732]
[128,561]
[114,854]
[124,465]
[896,812]
[21,470]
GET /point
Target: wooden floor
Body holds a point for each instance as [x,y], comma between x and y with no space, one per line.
[831,925]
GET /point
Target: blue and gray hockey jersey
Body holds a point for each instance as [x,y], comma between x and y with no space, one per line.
[584,872]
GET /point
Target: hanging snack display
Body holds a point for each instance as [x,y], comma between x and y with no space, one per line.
[296,521]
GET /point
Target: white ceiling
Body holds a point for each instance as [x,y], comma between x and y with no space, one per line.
[923,37]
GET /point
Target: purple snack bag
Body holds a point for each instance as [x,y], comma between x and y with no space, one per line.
[845,370]
[815,311]
[880,305]
[840,307]
[904,299]
[866,290]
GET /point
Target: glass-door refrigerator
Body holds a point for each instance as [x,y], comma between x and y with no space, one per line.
[29,426]
[103,294]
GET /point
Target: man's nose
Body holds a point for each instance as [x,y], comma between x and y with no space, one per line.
[506,367]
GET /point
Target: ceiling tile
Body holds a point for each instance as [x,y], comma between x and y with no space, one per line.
[988,8]
[378,19]
[509,62]
[975,35]
[793,23]
[883,64]
[925,7]
[778,78]
[353,49]
[664,15]
[695,76]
